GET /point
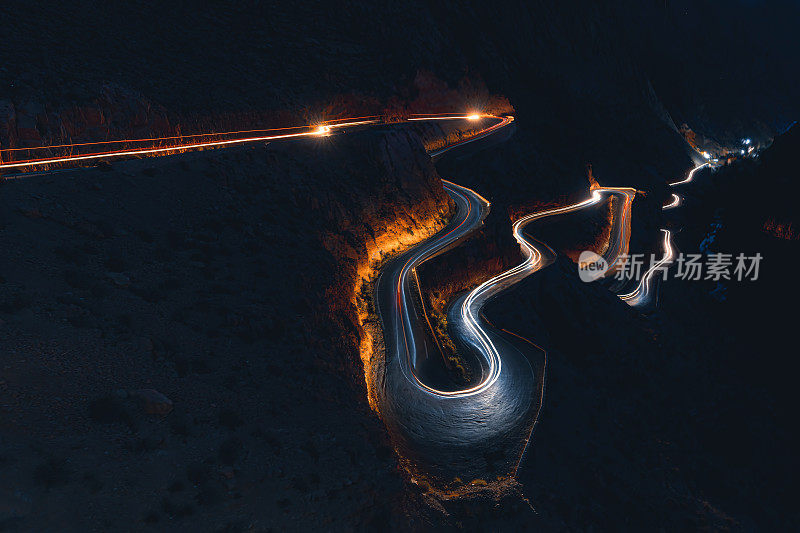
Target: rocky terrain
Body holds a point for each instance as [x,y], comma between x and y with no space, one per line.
[722,69]
[181,341]
[684,417]
[184,340]
[606,84]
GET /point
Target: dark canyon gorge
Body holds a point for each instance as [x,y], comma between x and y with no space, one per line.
[193,342]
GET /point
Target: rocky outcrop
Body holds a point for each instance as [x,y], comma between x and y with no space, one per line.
[244,272]
[115,114]
[364,232]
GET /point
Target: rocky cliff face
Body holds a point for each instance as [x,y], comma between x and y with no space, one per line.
[234,283]
[181,336]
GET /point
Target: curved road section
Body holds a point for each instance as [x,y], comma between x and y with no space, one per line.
[478,431]
[475,432]
[47,158]
[646,292]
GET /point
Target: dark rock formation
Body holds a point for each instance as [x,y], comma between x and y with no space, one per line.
[243,267]
[234,281]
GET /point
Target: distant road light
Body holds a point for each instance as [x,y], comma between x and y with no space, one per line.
[706,155]
[746,141]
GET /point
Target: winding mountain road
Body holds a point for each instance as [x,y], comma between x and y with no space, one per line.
[451,432]
[480,430]
[44,158]
[645,294]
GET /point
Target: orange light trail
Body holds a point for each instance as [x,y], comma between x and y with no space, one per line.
[151,139]
[267,135]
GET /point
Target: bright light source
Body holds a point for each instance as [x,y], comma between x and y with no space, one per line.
[322,130]
[474,117]
[746,141]
[742,151]
[706,155]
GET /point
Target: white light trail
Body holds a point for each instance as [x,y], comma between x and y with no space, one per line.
[641,292]
[315,131]
[676,201]
[690,177]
